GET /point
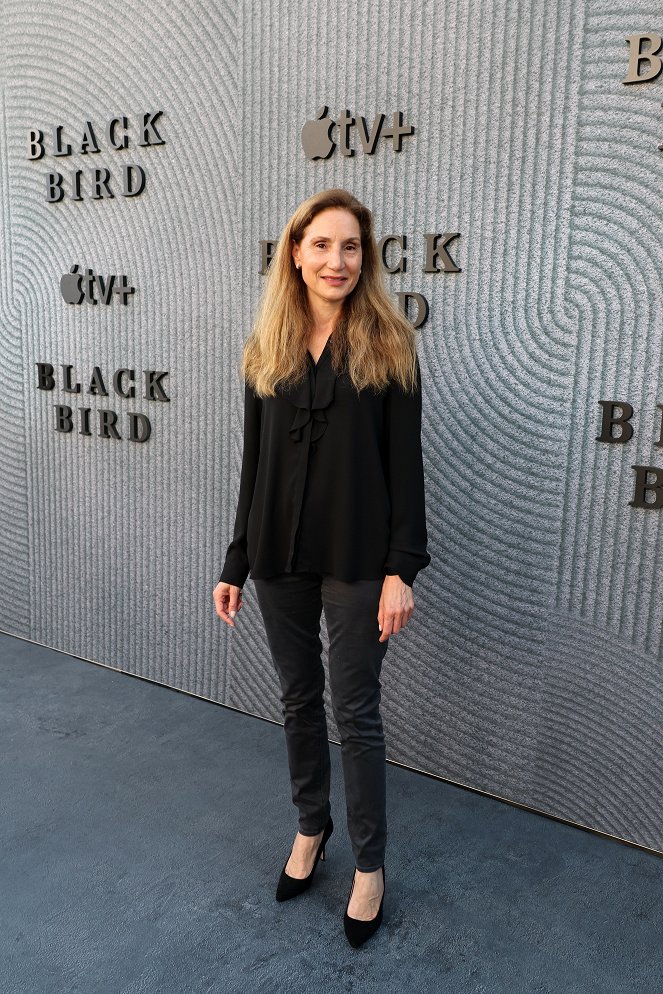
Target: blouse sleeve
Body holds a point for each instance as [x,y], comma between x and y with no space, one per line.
[236,566]
[405,479]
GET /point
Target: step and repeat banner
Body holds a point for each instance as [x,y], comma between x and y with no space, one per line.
[512,154]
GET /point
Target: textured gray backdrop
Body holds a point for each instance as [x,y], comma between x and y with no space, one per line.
[532,666]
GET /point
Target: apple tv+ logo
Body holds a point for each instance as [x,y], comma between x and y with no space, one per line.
[76,287]
[318,143]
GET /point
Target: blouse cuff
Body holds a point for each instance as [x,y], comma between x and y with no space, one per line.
[235,570]
[405,565]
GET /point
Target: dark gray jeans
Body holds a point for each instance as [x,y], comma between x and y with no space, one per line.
[291,606]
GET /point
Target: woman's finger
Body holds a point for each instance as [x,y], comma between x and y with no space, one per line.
[223,614]
[386,627]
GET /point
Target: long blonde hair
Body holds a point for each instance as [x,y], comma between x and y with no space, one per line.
[371,341]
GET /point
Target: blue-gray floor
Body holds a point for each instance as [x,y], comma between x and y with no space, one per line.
[143,832]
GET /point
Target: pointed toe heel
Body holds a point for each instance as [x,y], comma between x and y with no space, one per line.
[289,887]
[357,931]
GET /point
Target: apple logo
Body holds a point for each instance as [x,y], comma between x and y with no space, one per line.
[71,286]
[316,136]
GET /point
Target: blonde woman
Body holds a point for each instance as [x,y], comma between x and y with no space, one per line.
[330,517]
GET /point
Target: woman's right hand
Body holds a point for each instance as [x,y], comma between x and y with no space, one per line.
[227,601]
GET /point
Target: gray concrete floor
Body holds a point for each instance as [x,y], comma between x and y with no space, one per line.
[143,832]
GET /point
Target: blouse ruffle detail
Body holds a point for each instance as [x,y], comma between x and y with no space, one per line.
[311,397]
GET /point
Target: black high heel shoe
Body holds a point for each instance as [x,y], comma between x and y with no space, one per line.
[292,886]
[357,931]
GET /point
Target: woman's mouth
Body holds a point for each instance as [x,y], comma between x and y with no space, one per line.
[334,280]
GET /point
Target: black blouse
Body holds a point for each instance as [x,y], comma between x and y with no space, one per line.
[332,481]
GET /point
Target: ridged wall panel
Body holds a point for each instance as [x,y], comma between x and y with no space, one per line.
[532,666]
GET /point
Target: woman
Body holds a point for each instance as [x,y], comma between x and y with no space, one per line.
[330,516]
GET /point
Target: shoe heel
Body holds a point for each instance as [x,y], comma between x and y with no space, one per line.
[292,886]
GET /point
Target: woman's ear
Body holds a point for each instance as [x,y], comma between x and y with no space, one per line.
[295,253]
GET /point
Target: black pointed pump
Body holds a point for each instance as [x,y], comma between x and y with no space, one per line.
[293,886]
[357,931]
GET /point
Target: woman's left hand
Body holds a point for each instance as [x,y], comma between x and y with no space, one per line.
[396,606]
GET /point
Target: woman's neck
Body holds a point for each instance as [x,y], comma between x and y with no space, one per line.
[324,319]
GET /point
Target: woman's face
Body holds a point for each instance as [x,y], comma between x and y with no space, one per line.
[329,255]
